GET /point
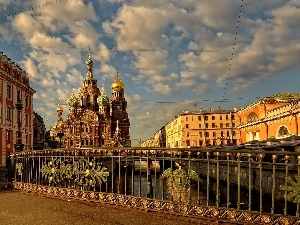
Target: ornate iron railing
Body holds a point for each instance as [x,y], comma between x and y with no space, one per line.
[253,186]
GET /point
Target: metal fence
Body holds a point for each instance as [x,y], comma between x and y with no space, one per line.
[254,186]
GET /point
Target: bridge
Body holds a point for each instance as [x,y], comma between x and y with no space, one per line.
[233,185]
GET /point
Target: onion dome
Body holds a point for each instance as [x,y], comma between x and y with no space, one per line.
[73,100]
[59,107]
[102,99]
[89,62]
[117,85]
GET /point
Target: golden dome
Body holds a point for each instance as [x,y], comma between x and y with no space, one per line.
[117,84]
[59,108]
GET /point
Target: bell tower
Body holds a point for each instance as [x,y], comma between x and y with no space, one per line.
[118,111]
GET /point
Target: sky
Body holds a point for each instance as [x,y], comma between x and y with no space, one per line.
[171,55]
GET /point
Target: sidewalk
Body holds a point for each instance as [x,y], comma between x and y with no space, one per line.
[19,208]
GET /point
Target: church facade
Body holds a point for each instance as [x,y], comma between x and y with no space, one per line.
[94,120]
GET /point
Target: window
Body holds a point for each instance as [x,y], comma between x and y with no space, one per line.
[188,134]
[186,126]
[222,134]
[227,117]
[199,118]
[233,124]
[186,119]
[199,125]
[228,134]
[88,100]
[205,117]
[18,95]
[8,113]
[200,134]
[26,101]
[213,117]
[206,125]
[206,134]
[188,143]
[221,125]
[26,119]
[8,92]
[232,117]
[221,117]
[233,133]
[227,124]
[8,136]
[213,125]
[214,134]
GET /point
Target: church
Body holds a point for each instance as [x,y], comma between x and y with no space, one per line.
[93,120]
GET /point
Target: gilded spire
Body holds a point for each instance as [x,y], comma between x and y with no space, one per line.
[102,89]
[102,99]
[89,64]
[59,107]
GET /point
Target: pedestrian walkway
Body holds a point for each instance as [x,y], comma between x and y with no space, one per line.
[19,208]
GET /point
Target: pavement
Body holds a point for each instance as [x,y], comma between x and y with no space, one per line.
[21,208]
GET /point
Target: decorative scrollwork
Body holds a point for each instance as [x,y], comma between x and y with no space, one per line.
[293,188]
[180,178]
[19,168]
[81,171]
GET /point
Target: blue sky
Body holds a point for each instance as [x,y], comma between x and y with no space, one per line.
[172,55]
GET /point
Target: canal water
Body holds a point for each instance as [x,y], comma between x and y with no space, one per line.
[145,185]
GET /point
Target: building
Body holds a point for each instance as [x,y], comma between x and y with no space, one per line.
[276,116]
[203,128]
[14,88]
[93,119]
[39,131]
[160,138]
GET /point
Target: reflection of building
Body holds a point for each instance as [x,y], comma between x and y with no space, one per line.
[93,119]
[14,85]
[203,128]
[39,129]
[274,116]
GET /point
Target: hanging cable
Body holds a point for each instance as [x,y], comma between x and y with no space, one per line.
[232,53]
[30,9]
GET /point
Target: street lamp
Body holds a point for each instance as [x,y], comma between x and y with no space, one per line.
[19,146]
[60,134]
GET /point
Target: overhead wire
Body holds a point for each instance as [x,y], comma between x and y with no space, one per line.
[30,9]
[232,53]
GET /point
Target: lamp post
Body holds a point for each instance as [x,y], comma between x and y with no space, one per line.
[19,146]
[60,134]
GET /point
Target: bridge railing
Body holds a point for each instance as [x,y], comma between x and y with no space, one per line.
[238,185]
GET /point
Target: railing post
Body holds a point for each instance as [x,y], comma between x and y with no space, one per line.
[9,171]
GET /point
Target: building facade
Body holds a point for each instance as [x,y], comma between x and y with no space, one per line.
[203,128]
[14,86]
[93,119]
[39,129]
[276,116]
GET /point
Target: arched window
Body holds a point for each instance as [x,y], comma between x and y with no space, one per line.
[282,131]
[188,134]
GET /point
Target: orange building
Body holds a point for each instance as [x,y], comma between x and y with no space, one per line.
[274,116]
[14,85]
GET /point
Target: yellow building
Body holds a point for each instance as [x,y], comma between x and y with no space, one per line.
[203,128]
